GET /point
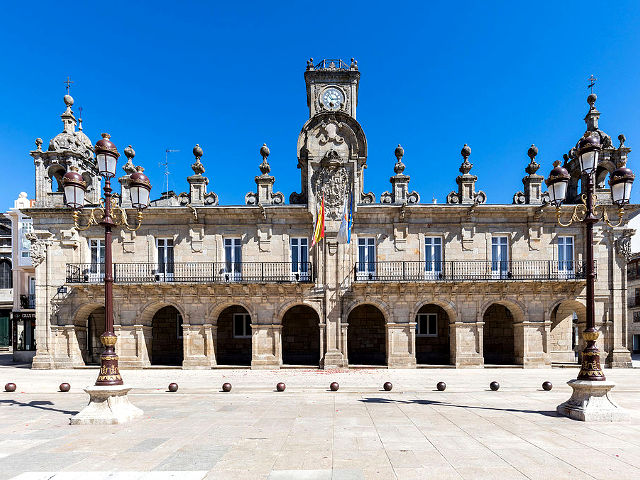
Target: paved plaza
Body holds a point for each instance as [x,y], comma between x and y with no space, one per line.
[311,433]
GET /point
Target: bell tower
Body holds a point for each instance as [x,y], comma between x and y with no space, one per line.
[332,86]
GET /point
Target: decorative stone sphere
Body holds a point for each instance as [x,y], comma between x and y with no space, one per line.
[68,100]
[264,150]
[441,386]
[226,387]
[387,386]
[280,387]
[197,151]
[129,152]
[494,386]
[10,387]
[334,386]
[466,151]
[399,152]
[64,387]
[532,152]
[591,99]
[173,387]
[546,386]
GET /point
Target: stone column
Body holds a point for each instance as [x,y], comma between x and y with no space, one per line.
[210,334]
[330,279]
[265,345]
[399,349]
[468,344]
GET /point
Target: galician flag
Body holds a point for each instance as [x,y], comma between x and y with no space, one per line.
[344,233]
[318,231]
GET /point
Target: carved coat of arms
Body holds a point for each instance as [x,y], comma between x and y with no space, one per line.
[332,181]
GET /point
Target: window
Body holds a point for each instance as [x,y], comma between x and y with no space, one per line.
[6,280]
[427,324]
[636,316]
[300,258]
[565,255]
[241,325]
[637,297]
[636,344]
[233,259]
[25,226]
[96,250]
[433,257]
[500,256]
[165,259]
[366,258]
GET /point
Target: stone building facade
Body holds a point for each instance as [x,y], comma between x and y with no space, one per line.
[201,284]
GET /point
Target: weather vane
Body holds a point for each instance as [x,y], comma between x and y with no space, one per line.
[592,81]
[68,83]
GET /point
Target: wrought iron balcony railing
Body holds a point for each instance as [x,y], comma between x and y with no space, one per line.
[194,272]
[472,270]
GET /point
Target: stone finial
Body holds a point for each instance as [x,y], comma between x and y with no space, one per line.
[591,100]
[466,166]
[68,100]
[310,64]
[197,166]
[354,64]
[622,139]
[533,166]
[39,144]
[128,167]
[197,151]
[399,166]
[264,166]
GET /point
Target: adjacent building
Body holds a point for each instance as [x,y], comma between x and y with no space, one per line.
[23,301]
[6,284]
[202,284]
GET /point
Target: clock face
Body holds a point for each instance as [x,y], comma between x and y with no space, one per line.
[332,98]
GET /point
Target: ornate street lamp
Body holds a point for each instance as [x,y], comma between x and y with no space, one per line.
[108,214]
[589,149]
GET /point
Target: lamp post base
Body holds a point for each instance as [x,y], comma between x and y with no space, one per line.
[590,402]
[107,406]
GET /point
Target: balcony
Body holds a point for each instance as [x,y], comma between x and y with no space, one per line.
[194,272]
[472,270]
[28,301]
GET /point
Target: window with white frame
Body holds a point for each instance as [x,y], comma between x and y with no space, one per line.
[164,247]
[427,324]
[233,258]
[96,251]
[433,257]
[366,257]
[241,325]
[25,226]
[299,258]
[500,255]
[565,254]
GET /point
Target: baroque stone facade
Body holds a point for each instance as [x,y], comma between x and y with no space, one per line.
[200,284]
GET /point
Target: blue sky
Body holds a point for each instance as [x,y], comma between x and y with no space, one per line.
[229,76]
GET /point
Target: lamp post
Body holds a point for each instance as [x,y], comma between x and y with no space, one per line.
[109,214]
[586,387]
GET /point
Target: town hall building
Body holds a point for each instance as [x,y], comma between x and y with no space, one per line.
[201,284]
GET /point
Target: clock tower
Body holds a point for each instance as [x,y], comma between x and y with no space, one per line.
[332,86]
[332,147]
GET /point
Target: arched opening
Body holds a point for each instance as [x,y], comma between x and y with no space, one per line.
[432,335]
[56,172]
[6,278]
[301,336]
[367,336]
[233,344]
[166,344]
[93,346]
[498,336]
[564,337]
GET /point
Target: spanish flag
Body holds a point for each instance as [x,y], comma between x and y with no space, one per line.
[318,231]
